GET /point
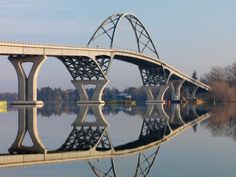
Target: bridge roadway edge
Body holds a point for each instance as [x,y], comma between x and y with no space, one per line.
[54,51]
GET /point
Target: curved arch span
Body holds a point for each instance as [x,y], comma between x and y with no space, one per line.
[110,25]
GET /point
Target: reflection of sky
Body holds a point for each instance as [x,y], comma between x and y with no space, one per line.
[196,154]
[8,129]
[124,128]
[188,154]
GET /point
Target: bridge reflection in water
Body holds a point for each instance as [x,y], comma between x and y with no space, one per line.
[89,140]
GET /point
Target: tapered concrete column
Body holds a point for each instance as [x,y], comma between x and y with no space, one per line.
[187,92]
[27,86]
[27,122]
[160,93]
[97,95]
[191,92]
[97,113]
[155,111]
[175,87]
[191,111]
[175,117]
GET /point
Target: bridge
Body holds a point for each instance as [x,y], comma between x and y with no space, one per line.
[90,65]
[90,140]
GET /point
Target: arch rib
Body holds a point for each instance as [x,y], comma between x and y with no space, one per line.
[138,28]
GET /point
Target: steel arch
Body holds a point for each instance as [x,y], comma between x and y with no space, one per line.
[145,161]
[109,27]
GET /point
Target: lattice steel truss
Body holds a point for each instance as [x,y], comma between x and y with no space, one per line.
[109,27]
[104,143]
[153,76]
[153,128]
[104,62]
[85,68]
[83,138]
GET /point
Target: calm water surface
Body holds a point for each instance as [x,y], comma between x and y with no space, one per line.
[153,140]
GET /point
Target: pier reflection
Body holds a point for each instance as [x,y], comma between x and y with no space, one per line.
[27,124]
[157,127]
[87,135]
[89,138]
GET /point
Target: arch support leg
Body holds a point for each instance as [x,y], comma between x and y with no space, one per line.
[96,98]
[175,120]
[27,85]
[191,92]
[175,87]
[156,111]
[160,93]
[97,113]
[191,111]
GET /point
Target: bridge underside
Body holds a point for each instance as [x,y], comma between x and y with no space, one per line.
[93,70]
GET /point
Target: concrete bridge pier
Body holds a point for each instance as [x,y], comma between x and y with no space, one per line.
[27,85]
[160,93]
[100,120]
[27,123]
[191,92]
[156,111]
[96,130]
[191,111]
[88,134]
[96,98]
[175,117]
[175,87]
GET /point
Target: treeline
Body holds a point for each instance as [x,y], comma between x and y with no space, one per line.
[223,83]
[223,121]
[48,94]
[8,96]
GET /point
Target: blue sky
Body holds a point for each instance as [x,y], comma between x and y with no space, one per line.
[188,34]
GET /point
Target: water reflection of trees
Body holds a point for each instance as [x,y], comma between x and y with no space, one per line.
[57,109]
[68,108]
[222,121]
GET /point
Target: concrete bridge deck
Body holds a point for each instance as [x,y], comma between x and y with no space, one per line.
[12,48]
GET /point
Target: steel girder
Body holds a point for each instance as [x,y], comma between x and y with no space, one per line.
[86,68]
[109,28]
